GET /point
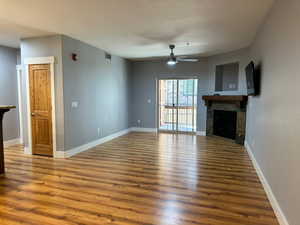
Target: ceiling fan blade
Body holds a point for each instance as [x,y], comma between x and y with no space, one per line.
[188,59]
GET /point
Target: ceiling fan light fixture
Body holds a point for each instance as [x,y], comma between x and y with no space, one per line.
[172,62]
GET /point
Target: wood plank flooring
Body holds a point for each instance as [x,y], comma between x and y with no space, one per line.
[137,179]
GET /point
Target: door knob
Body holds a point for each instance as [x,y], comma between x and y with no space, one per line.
[32,114]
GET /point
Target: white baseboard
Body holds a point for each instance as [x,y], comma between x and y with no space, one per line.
[142,129]
[275,205]
[27,151]
[9,143]
[60,155]
[82,148]
[201,133]
[154,130]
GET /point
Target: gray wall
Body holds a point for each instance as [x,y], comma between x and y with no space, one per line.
[100,87]
[43,47]
[9,91]
[273,125]
[144,75]
[241,56]
[227,77]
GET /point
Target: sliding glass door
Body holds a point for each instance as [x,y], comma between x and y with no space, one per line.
[178,105]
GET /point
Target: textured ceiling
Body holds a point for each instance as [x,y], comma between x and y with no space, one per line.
[138,28]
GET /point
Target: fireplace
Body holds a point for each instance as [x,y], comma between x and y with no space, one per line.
[226,117]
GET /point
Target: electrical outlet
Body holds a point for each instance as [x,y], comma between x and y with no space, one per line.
[99,132]
[139,121]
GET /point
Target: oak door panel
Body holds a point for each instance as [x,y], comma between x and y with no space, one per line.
[41,109]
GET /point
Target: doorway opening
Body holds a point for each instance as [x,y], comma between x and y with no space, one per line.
[177,105]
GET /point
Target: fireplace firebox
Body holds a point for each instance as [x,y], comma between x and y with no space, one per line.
[225,124]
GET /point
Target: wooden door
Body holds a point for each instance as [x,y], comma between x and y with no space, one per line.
[41,109]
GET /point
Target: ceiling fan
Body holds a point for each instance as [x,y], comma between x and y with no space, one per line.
[173,60]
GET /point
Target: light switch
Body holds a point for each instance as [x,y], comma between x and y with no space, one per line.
[75,104]
[149,101]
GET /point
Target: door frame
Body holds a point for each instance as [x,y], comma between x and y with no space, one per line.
[157,103]
[20,103]
[35,61]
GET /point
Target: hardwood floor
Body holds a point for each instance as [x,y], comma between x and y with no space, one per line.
[140,178]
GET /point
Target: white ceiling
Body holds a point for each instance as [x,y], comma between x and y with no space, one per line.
[138,28]
[10,33]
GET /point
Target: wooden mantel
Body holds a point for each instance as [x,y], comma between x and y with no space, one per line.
[3,109]
[239,100]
